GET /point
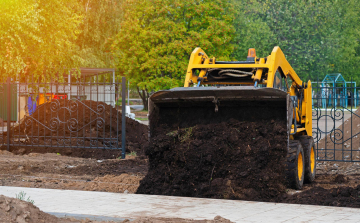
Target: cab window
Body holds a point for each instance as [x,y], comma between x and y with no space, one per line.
[277,81]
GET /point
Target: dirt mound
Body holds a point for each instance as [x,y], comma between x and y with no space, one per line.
[234,160]
[340,196]
[86,123]
[17,211]
[342,139]
[124,183]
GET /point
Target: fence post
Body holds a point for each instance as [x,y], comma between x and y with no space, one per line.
[123,118]
[8,112]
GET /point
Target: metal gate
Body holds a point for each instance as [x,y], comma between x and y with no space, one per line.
[336,123]
[80,112]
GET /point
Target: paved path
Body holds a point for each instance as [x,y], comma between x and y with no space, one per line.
[117,205]
[137,107]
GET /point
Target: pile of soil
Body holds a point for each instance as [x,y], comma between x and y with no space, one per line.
[231,160]
[125,183]
[15,210]
[339,196]
[343,139]
[86,123]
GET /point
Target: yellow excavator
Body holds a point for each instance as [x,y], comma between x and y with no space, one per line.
[238,89]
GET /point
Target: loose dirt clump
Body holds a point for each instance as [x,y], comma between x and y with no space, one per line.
[232,160]
[87,123]
[340,179]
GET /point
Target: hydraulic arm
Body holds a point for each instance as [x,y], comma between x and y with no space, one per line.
[273,71]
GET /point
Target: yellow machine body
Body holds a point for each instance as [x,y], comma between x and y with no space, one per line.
[255,90]
[264,73]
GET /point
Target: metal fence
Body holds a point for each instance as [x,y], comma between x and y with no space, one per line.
[84,113]
[336,123]
[81,112]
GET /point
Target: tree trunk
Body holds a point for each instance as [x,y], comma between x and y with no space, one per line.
[144,95]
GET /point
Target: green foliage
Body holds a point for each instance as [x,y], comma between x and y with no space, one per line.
[100,24]
[156,38]
[132,153]
[251,30]
[150,41]
[346,56]
[38,37]
[22,196]
[318,37]
[302,31]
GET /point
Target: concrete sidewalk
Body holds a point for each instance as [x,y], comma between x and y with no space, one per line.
[109,206]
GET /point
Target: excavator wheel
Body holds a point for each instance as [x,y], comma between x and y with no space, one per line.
[295,170]
[307,143]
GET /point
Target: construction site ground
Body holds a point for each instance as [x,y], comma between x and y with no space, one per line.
[336,184]
[56,171]
[34,171]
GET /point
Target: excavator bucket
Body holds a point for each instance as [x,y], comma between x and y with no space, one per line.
[186,107]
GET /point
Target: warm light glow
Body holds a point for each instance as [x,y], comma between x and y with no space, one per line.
[251,52]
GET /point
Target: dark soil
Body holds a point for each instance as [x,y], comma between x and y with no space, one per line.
[232,160]
[340,196]
[78,124]
[340,179]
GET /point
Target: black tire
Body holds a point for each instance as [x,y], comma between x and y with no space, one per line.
[308,145]
[295,165]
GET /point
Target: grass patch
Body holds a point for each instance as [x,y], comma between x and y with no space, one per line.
[22,196]
[133,153]
[143,119]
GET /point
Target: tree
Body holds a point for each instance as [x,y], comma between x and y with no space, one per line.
[101,22]
[157,37]
[38,37]
[346,54]
[301,29]
[251,30]
[317,37]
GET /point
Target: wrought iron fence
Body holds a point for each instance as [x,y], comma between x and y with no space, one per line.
[84,113]
[81,112]
[336,123]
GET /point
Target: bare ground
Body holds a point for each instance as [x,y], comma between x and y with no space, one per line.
[62,172]
[115,175]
